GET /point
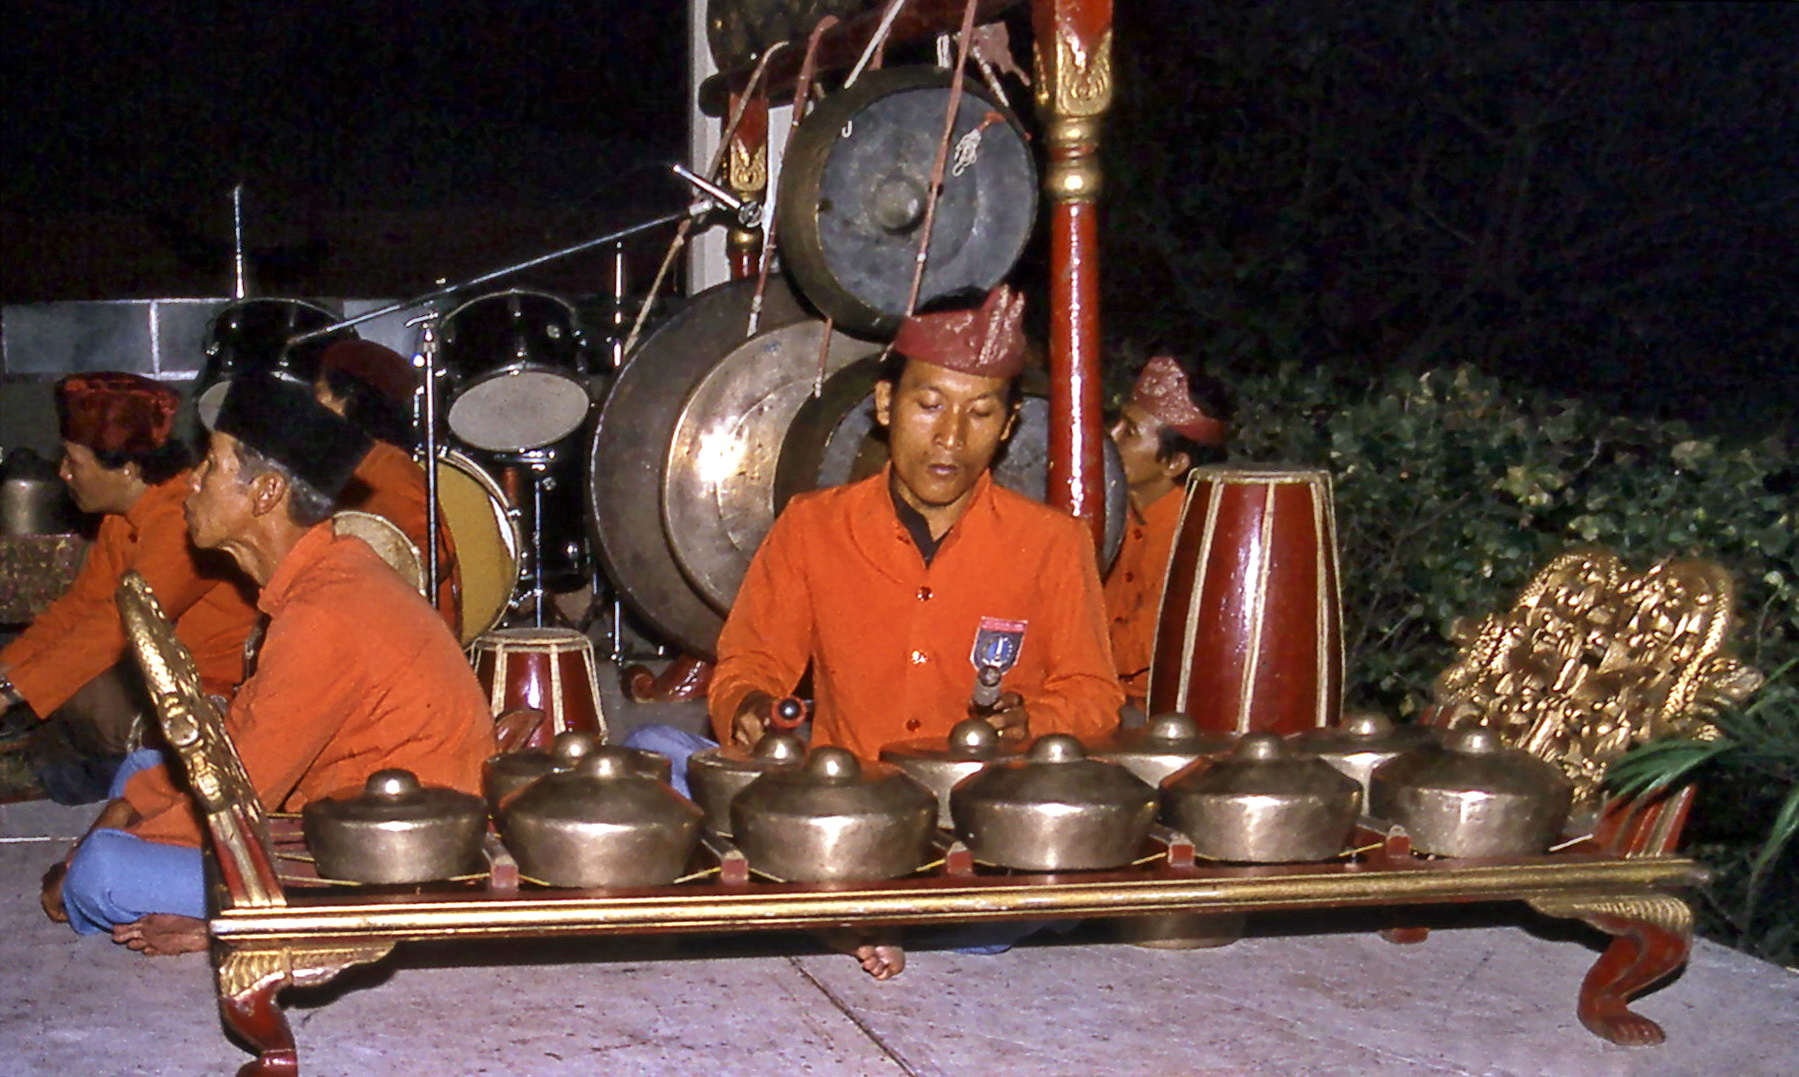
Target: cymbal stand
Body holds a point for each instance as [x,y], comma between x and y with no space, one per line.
[433,511]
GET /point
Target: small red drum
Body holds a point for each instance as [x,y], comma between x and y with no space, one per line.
[551,669]
[1250,634]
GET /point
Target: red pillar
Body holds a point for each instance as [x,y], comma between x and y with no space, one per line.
[746,174]
[1074,88]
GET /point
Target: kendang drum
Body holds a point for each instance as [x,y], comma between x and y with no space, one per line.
[1250,634]
[548,669]
[484,528]
[517,369]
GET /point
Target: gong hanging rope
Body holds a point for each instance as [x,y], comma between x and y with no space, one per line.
[963,43]
[877,45]
[802,93]
[751,91]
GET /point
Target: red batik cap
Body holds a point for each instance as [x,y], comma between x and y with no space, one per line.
[987,340]
[114,412]
[1162,391]
[384,369]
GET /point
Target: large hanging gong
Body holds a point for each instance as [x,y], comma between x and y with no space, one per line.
[631,442]
[854,182]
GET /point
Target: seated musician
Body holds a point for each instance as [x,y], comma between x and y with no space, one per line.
[373,387]
[887,588]
[356,673]
[120,459]
[1175,421]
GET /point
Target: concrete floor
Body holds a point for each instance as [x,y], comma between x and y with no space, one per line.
[1293,998]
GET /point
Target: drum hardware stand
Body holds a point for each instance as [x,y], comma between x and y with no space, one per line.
[241,285]
[433,510]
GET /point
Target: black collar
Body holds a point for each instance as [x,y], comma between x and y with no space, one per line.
[915,524]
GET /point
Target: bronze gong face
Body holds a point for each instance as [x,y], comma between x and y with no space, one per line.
[854,183]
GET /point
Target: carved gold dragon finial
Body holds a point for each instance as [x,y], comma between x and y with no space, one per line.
[1594,658]
[195,729]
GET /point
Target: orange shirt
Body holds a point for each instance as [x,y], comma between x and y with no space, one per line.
[840,585]
[356,674]
[1134,588]
[389,484]
[78,637]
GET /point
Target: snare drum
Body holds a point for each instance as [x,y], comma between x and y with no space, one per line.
[550,669]
[484,529]
[1250,634]
[517,371]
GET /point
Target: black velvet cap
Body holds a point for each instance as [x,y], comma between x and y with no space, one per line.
[281,419]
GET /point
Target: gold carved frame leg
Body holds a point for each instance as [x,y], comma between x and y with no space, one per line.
[1652,934]
[250,980]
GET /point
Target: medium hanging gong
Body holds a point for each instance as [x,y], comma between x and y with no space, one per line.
[854,186]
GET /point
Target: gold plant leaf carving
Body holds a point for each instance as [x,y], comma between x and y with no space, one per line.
[1594,658]
[243,970]
[1071,78]
[1664,911]
[195,728]
[746,168]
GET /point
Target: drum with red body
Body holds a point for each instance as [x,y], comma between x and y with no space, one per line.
[1250,633]
[550,669]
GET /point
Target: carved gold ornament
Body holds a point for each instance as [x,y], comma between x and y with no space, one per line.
[195,729]
[1073,78]
[1594,659]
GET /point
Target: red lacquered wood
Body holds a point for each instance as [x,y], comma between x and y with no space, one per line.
[256,1018]
[1250,634]
[535,670]
[1076,454]
[1074,89]
[746,173]
[687,677]
[1641,954]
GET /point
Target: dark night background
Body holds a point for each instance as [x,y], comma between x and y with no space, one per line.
[1593,196]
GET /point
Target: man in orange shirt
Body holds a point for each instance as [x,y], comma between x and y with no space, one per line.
[120,459]
[1175,421]
[356,674]
[372,386]
[893,591]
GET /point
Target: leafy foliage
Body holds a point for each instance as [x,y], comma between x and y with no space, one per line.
[1452,488]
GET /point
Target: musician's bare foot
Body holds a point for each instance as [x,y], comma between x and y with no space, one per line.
[161,934]
[882,958]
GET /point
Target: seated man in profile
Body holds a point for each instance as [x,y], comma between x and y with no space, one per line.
[1175,421]
[121,459]
[357,672]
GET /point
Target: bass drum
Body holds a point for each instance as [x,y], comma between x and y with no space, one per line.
[517,369]
[484,527]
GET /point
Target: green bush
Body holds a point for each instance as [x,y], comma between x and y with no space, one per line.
[1451,489]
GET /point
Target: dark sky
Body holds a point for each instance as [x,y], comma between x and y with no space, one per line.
[385,103]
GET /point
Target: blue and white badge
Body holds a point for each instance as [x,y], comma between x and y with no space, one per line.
[997,643]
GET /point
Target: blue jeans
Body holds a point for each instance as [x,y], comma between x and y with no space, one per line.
[675,744]
[995,938]
[116,878]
